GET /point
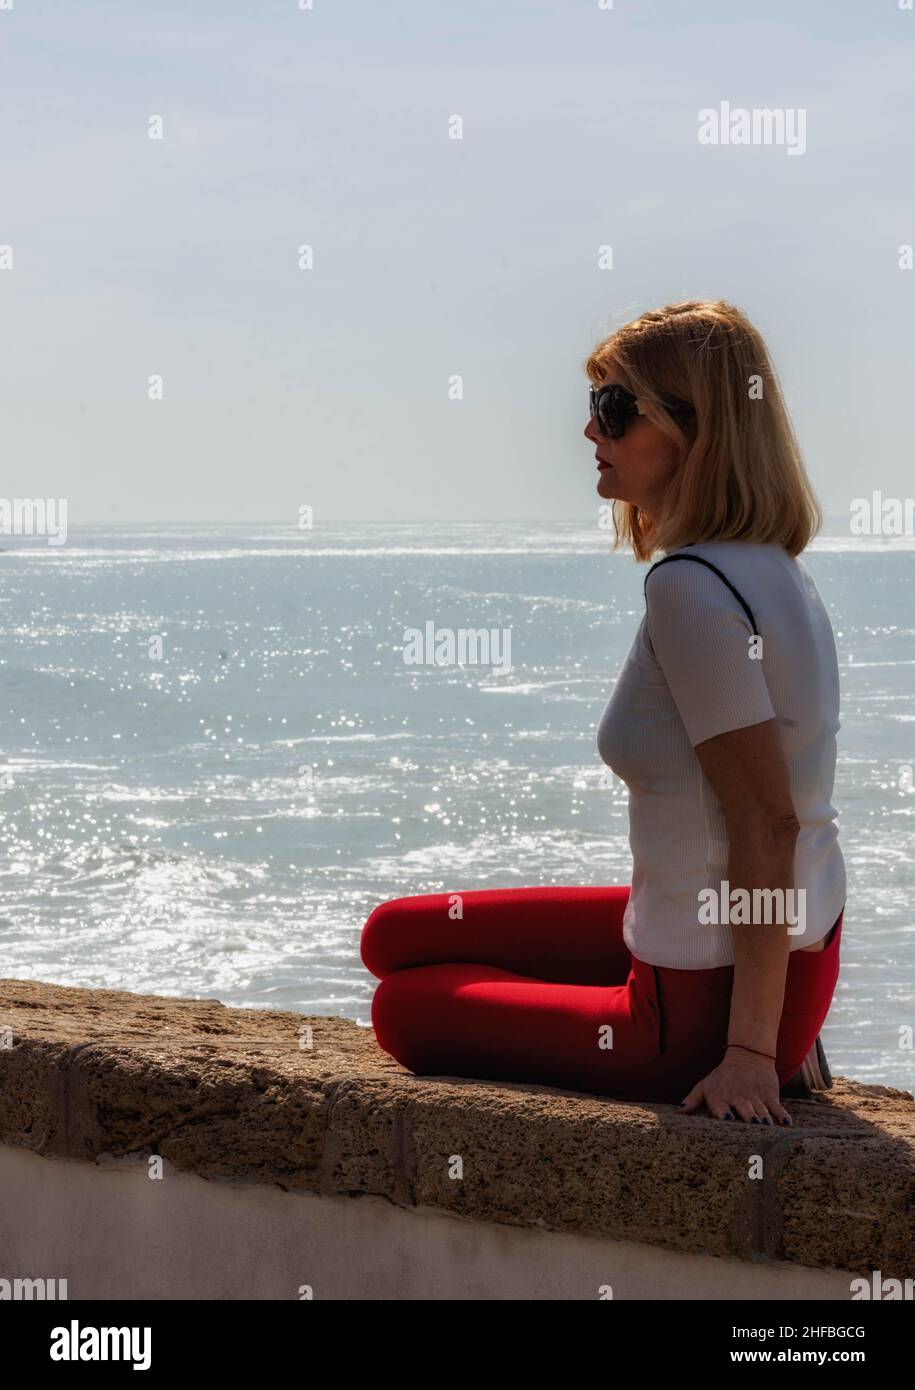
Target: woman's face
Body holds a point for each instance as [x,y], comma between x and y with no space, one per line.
[637,468]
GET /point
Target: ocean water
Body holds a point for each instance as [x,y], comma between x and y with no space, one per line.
[217,815]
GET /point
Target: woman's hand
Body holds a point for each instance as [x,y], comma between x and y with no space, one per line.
[741,1085]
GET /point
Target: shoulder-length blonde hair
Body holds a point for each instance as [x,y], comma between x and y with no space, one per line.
[740,474]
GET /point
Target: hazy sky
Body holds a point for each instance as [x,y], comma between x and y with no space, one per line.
[433,257]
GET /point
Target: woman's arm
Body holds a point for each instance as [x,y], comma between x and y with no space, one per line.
[702,641]
[749,776]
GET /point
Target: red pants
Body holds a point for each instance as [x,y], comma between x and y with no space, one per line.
[537,985]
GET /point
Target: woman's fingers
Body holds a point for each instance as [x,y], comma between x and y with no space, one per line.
[764,1108]
[778,1112]
[737,1107]
[716,1103]
[694,1099]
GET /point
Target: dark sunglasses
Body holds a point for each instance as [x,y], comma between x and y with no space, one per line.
[613,406]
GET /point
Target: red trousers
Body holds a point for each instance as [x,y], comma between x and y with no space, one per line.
[537,985]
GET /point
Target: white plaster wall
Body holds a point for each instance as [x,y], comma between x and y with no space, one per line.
[112,1232]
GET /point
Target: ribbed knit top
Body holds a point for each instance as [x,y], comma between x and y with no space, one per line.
[689,676]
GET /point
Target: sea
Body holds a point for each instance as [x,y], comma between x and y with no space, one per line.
[215,759]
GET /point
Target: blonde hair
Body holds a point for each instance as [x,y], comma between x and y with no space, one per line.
[741,475]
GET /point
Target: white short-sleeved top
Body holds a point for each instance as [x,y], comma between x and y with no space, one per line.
[692,674]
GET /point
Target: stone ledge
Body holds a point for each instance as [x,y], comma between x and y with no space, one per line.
[226,1093]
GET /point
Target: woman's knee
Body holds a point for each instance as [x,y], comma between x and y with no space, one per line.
[400,1019]
[383,927]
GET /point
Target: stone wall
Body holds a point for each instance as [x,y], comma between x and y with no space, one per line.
[265,1099]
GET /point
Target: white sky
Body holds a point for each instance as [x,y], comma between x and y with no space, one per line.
[433,257]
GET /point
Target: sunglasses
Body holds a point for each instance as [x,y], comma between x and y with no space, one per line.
[613,407]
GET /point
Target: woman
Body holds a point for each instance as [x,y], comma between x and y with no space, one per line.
[708,981]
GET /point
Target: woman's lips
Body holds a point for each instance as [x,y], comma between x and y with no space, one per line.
[602,463]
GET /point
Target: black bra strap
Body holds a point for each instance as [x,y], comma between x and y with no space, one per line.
[708,565]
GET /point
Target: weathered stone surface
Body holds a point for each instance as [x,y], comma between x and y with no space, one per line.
[230,1093]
